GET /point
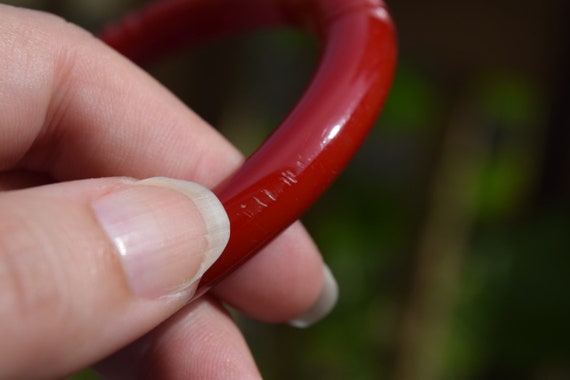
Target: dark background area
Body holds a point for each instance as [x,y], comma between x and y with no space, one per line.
[449,233]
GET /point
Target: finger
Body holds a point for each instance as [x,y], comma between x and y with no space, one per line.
[98,261]
[105,117]
[182,348]
[73,116]
[289,276]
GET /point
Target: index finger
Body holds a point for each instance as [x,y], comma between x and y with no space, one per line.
[72,108]
[63,91]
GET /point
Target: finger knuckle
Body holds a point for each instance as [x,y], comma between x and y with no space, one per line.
[30,276]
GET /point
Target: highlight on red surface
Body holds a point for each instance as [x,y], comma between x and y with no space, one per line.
[310,148]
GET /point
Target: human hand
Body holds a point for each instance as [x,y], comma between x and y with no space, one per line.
[100,270]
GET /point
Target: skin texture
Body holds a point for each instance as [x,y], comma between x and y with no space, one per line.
[73,109]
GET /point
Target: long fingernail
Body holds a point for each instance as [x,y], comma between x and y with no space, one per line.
[167,233]
[323,305]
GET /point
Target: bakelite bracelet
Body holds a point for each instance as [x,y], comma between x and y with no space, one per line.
[295,165]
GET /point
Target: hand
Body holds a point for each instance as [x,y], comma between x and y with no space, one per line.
[100,270]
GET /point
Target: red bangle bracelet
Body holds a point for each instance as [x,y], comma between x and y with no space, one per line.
[295,165]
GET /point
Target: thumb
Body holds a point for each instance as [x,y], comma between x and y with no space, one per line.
[88,266]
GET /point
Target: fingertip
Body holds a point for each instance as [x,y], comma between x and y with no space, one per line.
[323,305]
[167,233]
[280,282]
[214,216]
[200,342]
[101,261]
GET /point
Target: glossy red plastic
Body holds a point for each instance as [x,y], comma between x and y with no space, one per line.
[296,164]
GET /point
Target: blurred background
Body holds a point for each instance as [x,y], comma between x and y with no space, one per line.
[449,233]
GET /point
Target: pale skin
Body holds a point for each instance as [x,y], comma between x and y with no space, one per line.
[72,109]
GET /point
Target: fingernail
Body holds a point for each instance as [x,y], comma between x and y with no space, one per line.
[323,305]
[167,233]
